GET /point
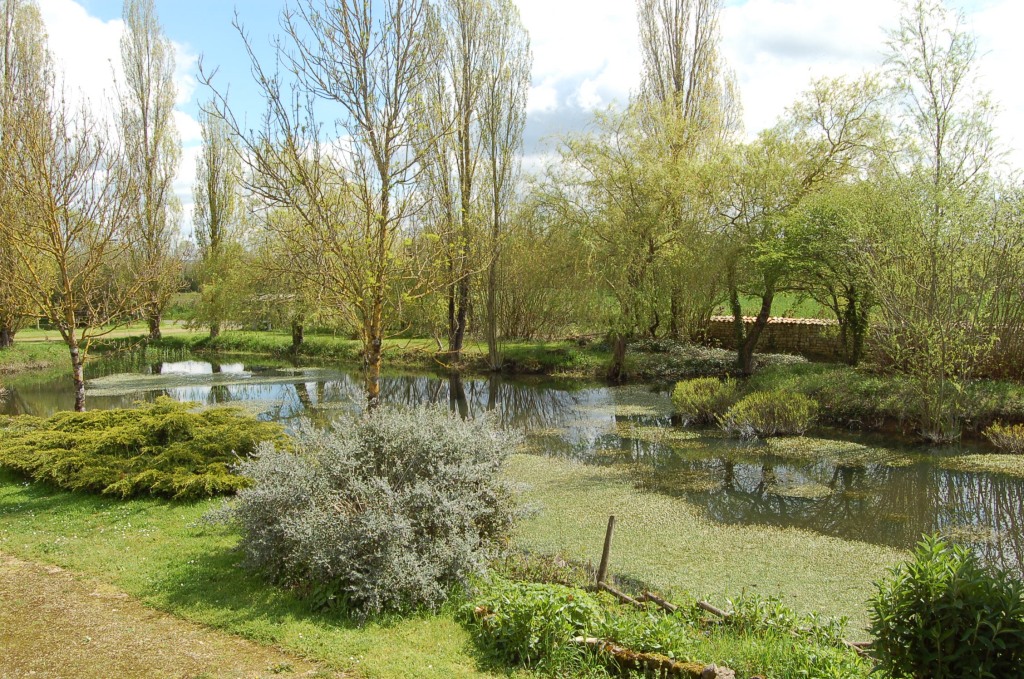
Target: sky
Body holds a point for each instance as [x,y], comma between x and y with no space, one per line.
[586,57]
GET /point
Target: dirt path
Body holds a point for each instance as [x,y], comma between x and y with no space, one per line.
[56,624]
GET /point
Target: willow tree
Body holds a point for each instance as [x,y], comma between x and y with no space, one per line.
[691,99]
[339,149]
[24,83]
[153,150]
[826,138]
[216,217]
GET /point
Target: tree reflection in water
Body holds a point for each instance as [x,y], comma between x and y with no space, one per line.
[733,483]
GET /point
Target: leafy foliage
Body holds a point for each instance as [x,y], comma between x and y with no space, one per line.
[703,400]
[770,413]
[163,448]
[943,615]
[533,625]
[1006,437]
[388,512]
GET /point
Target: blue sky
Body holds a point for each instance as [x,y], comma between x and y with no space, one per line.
[585,55]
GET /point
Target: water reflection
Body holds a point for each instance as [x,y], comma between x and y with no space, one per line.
[882,501]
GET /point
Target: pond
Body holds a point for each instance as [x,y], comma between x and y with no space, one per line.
[864,488]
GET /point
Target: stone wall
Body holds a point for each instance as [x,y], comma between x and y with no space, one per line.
[814,338]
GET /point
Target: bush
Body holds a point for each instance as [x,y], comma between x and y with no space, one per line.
[387,512]
[1006,437]
[943,616]
[703,400]
[161,448]
[770,413]
[531,624]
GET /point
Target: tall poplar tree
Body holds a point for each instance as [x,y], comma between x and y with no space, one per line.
[215,215]
[24,86]
[153,151]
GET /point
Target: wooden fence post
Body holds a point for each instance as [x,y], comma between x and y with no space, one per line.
[602,570]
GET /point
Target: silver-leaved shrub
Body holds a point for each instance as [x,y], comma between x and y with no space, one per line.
[384,512]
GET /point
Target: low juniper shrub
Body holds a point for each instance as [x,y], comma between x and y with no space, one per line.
[945,616]
[166,448]
[770,413]
[385,512]
[704,399]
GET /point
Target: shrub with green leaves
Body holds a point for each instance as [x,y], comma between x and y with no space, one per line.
[704,399]
[770,413]
[531,624]
[384,512]
[1008,438]
[164,448]
[944,616]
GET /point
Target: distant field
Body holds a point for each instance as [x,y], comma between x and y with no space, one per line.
[787,304]
[140,328]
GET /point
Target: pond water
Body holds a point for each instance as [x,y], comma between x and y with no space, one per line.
[863,488]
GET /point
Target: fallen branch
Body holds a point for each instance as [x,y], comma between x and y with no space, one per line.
[704,605]
[654,663]
[667,605]
[622,597]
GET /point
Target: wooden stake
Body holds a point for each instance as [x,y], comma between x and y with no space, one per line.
[602,571]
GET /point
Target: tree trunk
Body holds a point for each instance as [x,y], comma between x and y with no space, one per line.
[458,331]
[617,370]
[214,330]
[6,336]
[745,354]
[154,326]
[298,335]
[78,375]
[372,362]
[493,351]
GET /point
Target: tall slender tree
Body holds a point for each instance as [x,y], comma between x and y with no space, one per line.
[216,213]
[24,81]
[153,151]
[507,69]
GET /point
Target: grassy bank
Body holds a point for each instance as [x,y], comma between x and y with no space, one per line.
[162,553]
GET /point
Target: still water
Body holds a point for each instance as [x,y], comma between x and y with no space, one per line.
[870,489]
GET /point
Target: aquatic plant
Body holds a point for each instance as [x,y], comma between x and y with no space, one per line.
[704,399]
[769,413]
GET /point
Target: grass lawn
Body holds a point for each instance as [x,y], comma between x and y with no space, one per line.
[163,554]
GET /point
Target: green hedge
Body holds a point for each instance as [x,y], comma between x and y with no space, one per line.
[164,448]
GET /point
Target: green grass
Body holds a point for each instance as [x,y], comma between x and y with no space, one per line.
[786,304]
[33,356]
[162,553]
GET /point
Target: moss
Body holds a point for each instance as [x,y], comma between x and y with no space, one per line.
[162,449]
[844,453]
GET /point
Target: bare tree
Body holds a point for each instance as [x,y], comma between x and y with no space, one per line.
[348,185]
[24,80]
[153,150]
[215,215]
[74,263]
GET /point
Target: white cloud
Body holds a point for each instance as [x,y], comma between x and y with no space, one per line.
[87,52]
[777,47]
